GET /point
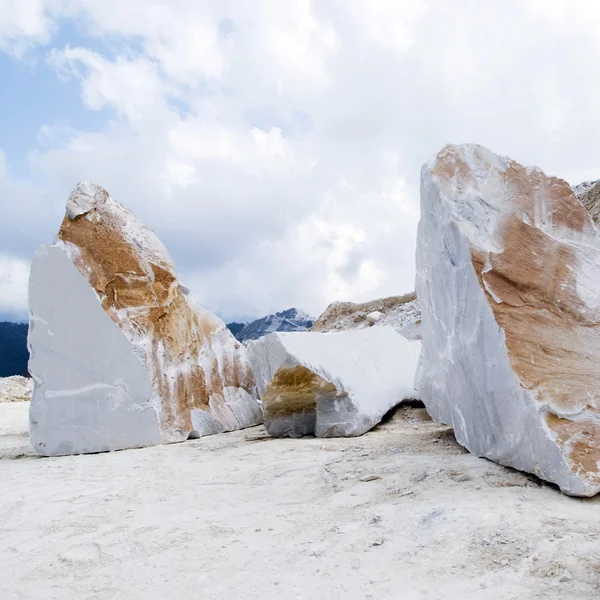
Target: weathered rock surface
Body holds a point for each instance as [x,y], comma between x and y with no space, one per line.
[508,276]
[120,355]
[15,389]
[588,193]
[582,188]
[332,384]
[401,312]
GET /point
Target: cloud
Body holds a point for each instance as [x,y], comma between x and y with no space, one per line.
[23,25]
[14,275]
[131,86]
[275,147]
[28,216]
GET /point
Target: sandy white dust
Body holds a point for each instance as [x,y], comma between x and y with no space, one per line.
[230,516]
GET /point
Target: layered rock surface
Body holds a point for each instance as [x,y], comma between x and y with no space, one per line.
[120,354]
[401,312]
[508,276]
[332,384]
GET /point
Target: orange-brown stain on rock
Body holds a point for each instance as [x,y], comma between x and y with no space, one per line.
[582,439]
[449,166]
[142,296]
[217,382]
[552,335]
[553,342]
[295,390]
[545,200]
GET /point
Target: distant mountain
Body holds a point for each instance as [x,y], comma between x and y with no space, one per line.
[13,349]
[235,328]
[291,319]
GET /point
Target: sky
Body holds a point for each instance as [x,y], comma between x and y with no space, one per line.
[275,146]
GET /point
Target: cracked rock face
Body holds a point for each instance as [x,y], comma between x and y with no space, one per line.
[120,355]
[508,276]
[332,384]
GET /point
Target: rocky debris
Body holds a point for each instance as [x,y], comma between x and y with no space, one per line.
[15,389]
[332,384]
[460,476]
[121,355]
[508,278]
[292,319]
[401,312]
[371,477]
[588,193]
[418,477]
[373,317]
[582,188]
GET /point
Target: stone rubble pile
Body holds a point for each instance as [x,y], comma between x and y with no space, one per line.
[15,388]
[400,312]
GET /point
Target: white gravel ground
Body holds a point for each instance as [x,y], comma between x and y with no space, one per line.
[235,517]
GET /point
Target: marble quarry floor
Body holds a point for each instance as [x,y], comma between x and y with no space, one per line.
[402,512]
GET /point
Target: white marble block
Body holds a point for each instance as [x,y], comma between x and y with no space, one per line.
[120,355]
[332,384]
[508,277]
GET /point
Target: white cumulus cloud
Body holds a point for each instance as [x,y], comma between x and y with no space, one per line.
[24,24]
[14,275]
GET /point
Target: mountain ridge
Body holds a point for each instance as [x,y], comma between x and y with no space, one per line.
[291,319]
[14,355]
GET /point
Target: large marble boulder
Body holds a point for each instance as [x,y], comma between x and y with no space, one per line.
[508,276]
[121,355]
[332,384]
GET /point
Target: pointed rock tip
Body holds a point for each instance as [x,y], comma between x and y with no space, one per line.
[84,198]
[463,148]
